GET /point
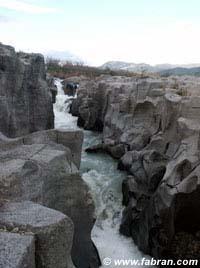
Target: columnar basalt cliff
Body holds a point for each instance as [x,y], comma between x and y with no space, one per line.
[43,168]
[46,210]
[152,126]
[25,98]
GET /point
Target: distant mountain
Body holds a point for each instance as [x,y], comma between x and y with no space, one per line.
[138,67]
[181,71]
[126,66]
[62,56]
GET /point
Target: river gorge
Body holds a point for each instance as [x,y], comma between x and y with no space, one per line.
[110,172]
[105,181]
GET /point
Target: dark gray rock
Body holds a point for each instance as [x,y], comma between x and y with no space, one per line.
[74,109]
[116,151]
[70,88]
[90,105]
[81,211]
[52,87]
[25,98]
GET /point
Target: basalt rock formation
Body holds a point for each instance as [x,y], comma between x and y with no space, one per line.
[46,210]
[152,126]
[51,230]
[43,168]
[25,98]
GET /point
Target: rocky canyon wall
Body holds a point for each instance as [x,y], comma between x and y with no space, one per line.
[152,126]
[46,210]
[25,98]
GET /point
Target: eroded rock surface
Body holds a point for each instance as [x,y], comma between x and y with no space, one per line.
[39,172]
[152,126]
[25,98]
[43,168]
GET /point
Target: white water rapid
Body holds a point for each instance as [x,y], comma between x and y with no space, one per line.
[101,174]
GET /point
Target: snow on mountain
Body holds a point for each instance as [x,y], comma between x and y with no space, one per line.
[138,67]
[62,56]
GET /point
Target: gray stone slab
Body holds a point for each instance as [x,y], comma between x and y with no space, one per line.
[53,231]
[17,250]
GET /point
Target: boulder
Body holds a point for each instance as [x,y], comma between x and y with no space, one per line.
[53,232]
[43,167]
[69,138]
[116,151]
[70,88]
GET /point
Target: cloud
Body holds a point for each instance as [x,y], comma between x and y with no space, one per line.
[22,6]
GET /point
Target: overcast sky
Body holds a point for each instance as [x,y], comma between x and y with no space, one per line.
[151,31]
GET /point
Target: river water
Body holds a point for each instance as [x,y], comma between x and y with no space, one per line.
[100,172]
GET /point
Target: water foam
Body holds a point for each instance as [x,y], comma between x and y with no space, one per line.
[101,174]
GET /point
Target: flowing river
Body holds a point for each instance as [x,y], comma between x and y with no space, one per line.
[100,172]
